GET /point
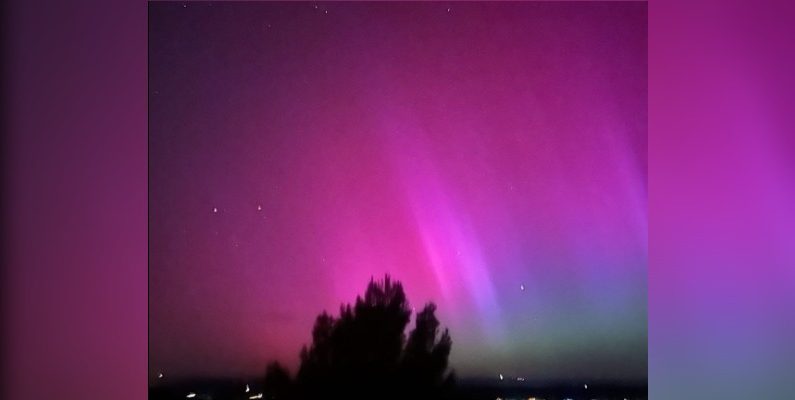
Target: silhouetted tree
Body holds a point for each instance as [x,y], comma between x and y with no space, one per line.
[425,356]
[315,369]
[361,353]
[277,383]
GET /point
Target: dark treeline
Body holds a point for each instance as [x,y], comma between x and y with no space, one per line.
[364,352]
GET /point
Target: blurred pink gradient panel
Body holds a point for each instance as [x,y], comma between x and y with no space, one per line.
[722,230]
[74,288]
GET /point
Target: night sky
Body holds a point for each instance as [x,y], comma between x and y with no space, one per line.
[492,157]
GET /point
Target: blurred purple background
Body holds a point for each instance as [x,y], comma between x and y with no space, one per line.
[721,195]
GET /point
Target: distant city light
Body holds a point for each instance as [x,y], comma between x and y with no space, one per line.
[191,395]
[256,396]
[520,379]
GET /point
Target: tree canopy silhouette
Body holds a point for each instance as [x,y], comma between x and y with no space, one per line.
[364,351]
[276,384]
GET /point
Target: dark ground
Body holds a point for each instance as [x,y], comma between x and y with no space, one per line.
[232,389]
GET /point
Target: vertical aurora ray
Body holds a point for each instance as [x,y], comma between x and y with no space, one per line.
[450,244]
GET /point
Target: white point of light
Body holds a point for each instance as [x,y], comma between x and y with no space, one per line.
[247,389]
[448,10]
[215,209]
[191,395]
[160,376]
[501,377]
[259,207]
[586,386]
[521,287]
[520,379]
[256,396]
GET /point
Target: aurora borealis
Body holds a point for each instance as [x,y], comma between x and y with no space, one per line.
[492,157]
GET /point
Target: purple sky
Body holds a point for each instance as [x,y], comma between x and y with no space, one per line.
[492,157]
